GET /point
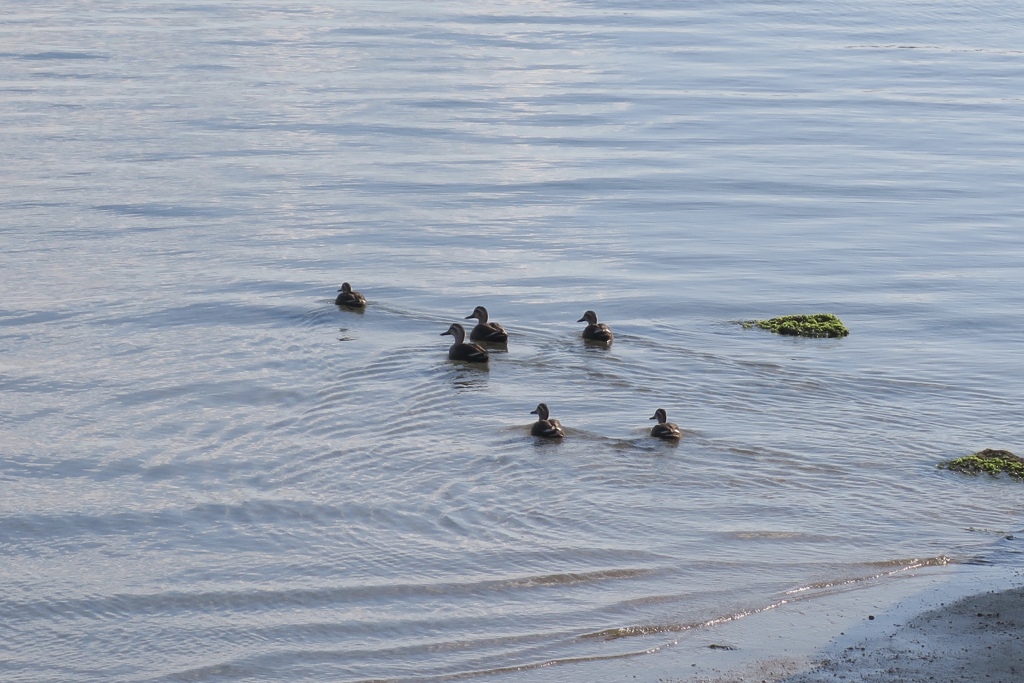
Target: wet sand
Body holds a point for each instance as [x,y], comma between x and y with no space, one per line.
[978,638]
[937,624]
[962,623]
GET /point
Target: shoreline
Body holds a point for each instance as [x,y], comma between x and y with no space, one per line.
[920,626]
[976,638]
[923,627]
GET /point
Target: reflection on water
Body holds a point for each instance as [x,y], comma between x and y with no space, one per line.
[468,377]
[196,469]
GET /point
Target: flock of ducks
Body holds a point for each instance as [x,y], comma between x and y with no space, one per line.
[487,332]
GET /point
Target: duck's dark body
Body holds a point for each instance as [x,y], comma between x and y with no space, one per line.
[471,353]
[350,298]
[665,429]
[545,427]
[460,350]
[490,333]
[595,331]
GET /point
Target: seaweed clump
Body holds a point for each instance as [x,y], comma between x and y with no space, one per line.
[990,460]
[815,325]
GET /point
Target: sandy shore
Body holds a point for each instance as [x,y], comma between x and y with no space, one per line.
[978,638]
[965,624]
[934,625]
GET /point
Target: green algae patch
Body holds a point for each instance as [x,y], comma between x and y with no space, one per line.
[990,461]
[815,325]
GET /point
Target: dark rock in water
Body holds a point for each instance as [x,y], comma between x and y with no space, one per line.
[989,460]
[815,325]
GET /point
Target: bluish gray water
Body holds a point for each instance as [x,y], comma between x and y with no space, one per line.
[211,473]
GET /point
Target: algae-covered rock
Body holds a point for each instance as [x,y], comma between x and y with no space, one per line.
[815,325]
[989,460]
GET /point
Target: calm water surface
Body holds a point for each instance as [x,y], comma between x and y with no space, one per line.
[211,473]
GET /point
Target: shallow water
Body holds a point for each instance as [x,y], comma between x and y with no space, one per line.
[210,472]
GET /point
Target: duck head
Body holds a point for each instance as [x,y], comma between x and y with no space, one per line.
[456,330]
[589,317]
[480,313]
[660,415]
[541,411]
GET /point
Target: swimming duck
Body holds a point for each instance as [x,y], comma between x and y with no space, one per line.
[665,429]
[485,331]
[551,429]
[596,331]
[460,350]
[347,297]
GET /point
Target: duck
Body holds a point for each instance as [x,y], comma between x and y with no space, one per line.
[460,350]
[484,331]
[594,330]
[548,428]
[665,429]
[350,298]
